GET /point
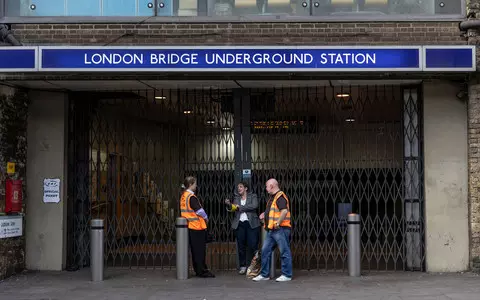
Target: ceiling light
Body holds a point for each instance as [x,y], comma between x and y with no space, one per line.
[160,97]
[210,121]
[349,120]
[226,128]
[343,95]
[188,111]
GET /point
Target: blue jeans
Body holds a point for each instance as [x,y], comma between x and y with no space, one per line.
[280,237]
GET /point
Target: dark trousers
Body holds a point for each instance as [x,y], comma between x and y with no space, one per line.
[246,236]
[197,240]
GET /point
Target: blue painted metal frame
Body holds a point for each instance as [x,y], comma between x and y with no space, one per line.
[166,10]
[164,18]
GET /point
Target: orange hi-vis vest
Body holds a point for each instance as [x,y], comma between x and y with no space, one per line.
[274,212]
[194,222]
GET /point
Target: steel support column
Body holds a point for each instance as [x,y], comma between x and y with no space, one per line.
[242,145]
[246,140]
[243,163]
[237,133]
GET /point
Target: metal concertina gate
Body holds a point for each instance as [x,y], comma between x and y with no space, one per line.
[333,149]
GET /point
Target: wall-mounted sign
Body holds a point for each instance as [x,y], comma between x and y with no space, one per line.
[238,59]
[217,58]
[449,58]
[18,59]
[51,190]
[247,173]
[277,124]
[10,168]
[11,226]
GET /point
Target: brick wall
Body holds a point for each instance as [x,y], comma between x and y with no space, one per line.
[405,33]
[473,12]
[13,146]
[474,169]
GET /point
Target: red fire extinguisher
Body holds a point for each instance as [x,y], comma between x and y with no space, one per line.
[13,196]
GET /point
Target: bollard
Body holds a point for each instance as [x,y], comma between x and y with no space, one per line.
[272,259]
[353,233]
[181,225]
[96,249]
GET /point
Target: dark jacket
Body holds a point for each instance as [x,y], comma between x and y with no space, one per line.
[250,208]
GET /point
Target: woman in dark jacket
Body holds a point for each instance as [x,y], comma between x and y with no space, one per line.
[245,223]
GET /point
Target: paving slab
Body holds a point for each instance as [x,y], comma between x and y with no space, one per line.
[161,284]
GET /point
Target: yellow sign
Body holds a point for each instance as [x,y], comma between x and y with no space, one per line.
[10,168]
[276,124]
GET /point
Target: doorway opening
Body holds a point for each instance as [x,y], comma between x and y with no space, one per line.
[334,150]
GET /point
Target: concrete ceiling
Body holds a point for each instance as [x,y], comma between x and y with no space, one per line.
[117,85]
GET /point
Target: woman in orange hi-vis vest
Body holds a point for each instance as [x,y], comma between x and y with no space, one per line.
[191,209]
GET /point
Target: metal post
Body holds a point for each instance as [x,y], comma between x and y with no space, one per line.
[181,225]
[272,259]
[353,233]
[96,249]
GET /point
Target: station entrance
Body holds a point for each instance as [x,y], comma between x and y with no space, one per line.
[333,149]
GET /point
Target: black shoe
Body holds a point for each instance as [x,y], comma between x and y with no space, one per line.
[207,274]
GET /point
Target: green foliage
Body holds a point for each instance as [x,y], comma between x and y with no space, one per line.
[13,129]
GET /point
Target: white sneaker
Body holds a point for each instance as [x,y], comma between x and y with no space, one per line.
[283,278]
[242,271]
[260,278]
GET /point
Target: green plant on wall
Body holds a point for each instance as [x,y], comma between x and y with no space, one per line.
[13,147]
[476,264]
[13,126]
[13,131]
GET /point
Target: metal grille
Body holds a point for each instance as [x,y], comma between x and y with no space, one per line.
[333,149]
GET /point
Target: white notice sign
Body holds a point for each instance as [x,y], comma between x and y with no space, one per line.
[11,227]
[51,190]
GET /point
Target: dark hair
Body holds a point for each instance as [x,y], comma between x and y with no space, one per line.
[244,184]
[189,180]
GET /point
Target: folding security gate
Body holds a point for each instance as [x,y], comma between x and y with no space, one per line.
[333,149]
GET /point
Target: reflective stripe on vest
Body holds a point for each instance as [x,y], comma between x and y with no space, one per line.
[194,221]
[274,212]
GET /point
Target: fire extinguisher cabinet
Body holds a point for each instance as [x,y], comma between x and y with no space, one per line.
[13,196]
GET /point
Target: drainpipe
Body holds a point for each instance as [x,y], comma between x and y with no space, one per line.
[469,24]
[7,36]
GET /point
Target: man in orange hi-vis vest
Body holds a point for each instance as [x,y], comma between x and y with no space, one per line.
[278,226]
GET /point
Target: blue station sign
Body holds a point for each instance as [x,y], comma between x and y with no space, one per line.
[239,59]
[235,59]
[449,58]
[18,59]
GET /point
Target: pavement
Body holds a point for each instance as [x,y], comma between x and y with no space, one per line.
[161,284]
